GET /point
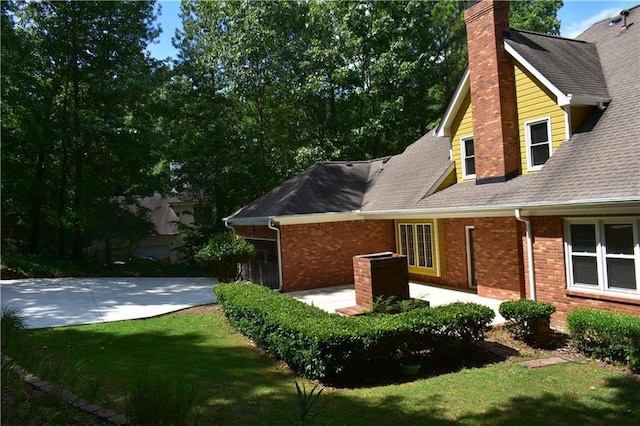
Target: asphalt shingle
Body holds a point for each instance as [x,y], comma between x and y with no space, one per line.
[599,163]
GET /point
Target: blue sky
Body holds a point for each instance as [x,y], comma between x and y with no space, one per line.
[575,16]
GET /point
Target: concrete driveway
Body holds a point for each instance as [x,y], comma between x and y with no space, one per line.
[53,302]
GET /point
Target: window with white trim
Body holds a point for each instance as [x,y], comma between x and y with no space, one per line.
[468,158]
[603,255]
[416,243]
[538,136]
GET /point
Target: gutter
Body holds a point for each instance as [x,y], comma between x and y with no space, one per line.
[532,277]
[272,225]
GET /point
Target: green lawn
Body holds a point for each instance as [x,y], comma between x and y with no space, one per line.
[238,384]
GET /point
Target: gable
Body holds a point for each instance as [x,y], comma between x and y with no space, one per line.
[537,102]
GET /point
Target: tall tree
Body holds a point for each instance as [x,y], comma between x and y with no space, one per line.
[95,84]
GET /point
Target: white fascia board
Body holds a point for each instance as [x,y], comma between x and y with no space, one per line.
[248,221]
[444,130]
[562,98]
[612,206]
[301,219]
[586,100]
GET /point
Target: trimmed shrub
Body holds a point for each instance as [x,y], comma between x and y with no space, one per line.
[320,345]
[527,318]
[605,335]
[223,253]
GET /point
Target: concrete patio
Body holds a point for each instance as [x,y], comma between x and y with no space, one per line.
[332,298]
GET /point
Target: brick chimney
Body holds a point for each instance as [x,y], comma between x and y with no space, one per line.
[492,82]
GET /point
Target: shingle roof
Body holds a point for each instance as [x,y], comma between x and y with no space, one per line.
[407,178]
[323,188]
[599,164]
[572,66]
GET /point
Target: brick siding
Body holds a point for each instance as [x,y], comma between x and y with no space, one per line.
[550,276]
[321,254]
[499,258]
[492,82]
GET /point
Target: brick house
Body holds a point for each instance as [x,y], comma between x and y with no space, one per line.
[529,187]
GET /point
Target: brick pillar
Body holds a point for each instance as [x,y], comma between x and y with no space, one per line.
[492,82]
[380,275]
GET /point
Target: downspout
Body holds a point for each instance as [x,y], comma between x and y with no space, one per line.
[227,225]
[272,226]
[532,279]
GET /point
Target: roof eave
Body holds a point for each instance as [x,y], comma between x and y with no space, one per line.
[562,97]
[603,206]
[584,100]
[452,110]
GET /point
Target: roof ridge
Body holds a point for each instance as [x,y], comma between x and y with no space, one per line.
[549,35]
[305,179]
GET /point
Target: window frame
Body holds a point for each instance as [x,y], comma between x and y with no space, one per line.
[549,143]
[411,248]
[463,155]
[602,255]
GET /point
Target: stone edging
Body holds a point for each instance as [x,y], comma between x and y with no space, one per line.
[66,396]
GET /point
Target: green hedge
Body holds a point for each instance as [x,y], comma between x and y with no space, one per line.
[320,345]
[606,335]
[524,315]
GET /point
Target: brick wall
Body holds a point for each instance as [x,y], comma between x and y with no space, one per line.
[380,277]
[550,275]
[492,81]
[321,255]
[499,260]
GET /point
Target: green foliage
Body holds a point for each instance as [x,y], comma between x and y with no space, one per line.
[389,305]
[524,315]
[153,400]
[535,15]
[383,305]
[605,335]
[80,132]
[13,324]
[223,254]
[33,266]
[320,345]
[304,401]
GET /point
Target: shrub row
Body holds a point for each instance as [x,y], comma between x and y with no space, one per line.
[526,317]
[606,335]
[324,346]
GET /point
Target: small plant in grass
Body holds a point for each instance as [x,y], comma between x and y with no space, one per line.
[12,326]
[304,402]
[528,319]
[156,401]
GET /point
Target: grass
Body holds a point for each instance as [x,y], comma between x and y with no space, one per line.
[235,383]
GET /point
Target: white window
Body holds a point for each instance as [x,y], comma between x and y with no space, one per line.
[603,255]
[468,158]
[416,243]
[538,136]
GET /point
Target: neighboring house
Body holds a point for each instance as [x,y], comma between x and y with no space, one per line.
[165,214]
[529,188]
[165,234]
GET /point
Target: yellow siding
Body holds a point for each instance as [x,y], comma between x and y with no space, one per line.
[536,102]
[448,181]
[578,116]
[461,127]
[437,241]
